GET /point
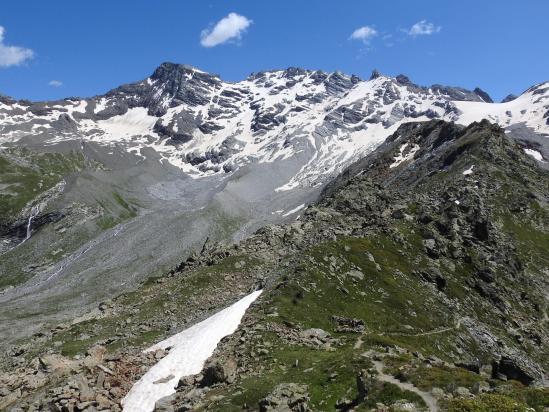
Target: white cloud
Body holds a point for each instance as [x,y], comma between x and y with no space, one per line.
[228,28]
[55,83]
[12,55]
[364,33]
[423,28]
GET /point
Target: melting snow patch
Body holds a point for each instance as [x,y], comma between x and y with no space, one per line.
[189,350]
[292,184]
[401,157]
[535,154]
[468,171]
[297,209]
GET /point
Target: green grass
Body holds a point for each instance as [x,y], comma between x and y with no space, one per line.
[25,174]
[329,375]
[487,403]
[391,301]
[146,305]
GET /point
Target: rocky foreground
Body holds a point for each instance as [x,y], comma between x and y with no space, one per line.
[419,281]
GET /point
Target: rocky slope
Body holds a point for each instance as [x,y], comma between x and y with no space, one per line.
[205,126]
[92,190]
[419,280]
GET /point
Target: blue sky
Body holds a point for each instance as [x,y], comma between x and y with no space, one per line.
[82,48]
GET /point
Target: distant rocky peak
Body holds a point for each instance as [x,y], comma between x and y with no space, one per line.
[177,74]
[483,95]
[404,80]
[509,98]
[292,72]
[169,70]
[375,74]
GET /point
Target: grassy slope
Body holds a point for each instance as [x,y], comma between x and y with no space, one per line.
[399,309]
[25,174]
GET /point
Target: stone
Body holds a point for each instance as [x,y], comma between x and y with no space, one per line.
[462,392]
[86,393]
[348,324]
[315,333]
[356,274]
[511,369]
[165,404]
[164,380]
[286,397]
[102,401]
[99,382]
[438,393]
[219,372]
[480,387]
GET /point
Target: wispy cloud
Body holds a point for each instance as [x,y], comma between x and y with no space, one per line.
[423,28]
[12,55]
[55,83]
[229,28]
[364,34]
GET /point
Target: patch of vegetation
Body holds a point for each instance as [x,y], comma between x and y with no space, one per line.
[142,312]
[395,306]
[25,174]
[487,403]
[329,375]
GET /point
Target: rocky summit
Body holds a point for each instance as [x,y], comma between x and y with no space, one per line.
[398,233]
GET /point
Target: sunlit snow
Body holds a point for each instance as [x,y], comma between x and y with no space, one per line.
[189,350]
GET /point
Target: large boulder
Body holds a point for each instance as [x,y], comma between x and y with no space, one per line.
[286,397]
[219,372]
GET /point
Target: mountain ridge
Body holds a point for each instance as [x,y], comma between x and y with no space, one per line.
[424,263]
[191,157]
[401,78]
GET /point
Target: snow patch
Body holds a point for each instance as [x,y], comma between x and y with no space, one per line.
[297,209]
[468,171]
[189,350]
[535,154]
[401,157]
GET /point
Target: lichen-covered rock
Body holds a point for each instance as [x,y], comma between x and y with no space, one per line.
[286,397]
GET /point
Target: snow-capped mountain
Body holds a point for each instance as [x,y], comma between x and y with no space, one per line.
[206,126]
[98,194]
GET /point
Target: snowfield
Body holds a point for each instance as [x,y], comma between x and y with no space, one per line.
[205,126]
[189,350]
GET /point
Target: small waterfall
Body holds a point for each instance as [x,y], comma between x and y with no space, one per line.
[29,228]
[33,213]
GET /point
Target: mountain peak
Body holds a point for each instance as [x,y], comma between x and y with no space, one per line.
[509,98]
[375,74]
[483,95]
[404,80]
[169,69]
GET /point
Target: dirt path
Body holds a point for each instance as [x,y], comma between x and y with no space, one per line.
[432,332]
[429,399]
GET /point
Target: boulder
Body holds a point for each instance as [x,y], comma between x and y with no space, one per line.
[286,397]
[219,372]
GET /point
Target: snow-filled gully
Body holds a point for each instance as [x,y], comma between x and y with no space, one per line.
[189,350]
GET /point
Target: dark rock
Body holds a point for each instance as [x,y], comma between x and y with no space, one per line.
[510,369]
[375,74]
[404,80]
[509,98]
[483,95]
[219,372]
[348,324]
